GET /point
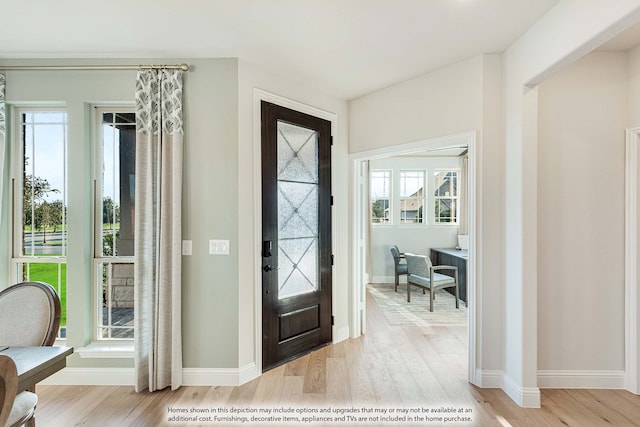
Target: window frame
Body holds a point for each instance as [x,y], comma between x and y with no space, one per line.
[98,259]
[456,197]
[424,221]
[16,161]
[389,198]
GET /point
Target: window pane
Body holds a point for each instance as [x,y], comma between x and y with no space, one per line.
[44,143]
[411,197]
[115,316]
[380,197]
[114,224]
[446,196]
[118,188]
[55,274]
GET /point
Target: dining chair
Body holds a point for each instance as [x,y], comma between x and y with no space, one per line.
[16,409]
[421,272]
[29,314]
[399,267]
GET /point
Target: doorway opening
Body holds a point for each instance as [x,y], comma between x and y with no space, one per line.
[360,238]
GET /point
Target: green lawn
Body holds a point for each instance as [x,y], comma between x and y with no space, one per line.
[48,273]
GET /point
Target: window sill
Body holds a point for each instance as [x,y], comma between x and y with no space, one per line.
[98,350]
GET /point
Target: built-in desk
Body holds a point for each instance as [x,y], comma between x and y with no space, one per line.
[456,258]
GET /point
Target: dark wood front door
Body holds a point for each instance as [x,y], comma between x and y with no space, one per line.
[296,234]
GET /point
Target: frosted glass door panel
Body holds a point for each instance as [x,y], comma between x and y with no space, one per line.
[297,210]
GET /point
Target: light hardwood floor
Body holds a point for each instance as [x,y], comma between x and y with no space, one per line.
[391,367]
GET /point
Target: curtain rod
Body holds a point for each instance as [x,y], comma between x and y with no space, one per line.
[183,67]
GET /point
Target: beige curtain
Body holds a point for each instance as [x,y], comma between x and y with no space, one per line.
[2,138]
[157,271]
[463,220]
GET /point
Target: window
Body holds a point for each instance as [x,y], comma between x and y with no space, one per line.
[446,196]
[381,197]
[40,201]
[411,197]
[114,189]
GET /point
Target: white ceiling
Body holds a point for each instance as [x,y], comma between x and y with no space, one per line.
[346,48]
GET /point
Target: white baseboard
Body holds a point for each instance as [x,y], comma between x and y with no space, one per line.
[488,378]
[340,334]
[581,379]
[125,376]
[92,376]
[219,376]
[526,397]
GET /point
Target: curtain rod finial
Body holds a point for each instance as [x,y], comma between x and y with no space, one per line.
[184,67]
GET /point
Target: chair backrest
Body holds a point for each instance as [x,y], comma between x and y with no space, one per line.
[395,253]
[8,387]
[29,314]
[418,265]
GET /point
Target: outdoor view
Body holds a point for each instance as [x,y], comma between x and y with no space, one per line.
[115,220]
[41,252]
[412,197]
[41,255]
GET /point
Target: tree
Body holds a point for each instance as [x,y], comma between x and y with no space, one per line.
[110,212]
[52,214]
[377,210]
[35,188]
[34,207]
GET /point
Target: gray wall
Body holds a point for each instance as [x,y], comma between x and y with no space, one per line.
[210,199]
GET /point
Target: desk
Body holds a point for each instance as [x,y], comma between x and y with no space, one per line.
[34,364]
[456,258]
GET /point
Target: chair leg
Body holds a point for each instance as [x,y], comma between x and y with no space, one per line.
[431,298]
[397,280]
[408,291]
[457,299]
[31,422]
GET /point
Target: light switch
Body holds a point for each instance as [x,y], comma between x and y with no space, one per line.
[186,247]
[218,247]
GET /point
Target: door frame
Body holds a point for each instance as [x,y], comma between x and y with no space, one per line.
[631,292]
[260,95]
[358,221]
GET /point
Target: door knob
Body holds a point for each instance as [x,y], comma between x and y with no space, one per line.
[267,268]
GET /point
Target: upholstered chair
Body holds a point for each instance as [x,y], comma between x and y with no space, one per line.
[399,266]
[29,314]
[15,409]
[423,274]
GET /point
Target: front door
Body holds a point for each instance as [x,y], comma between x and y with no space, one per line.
[296,234]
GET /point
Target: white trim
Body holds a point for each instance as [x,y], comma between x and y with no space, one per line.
[92,376]
[474,284]
[219,376]
[632,374]
[489,378]
[125,376]
[581,379]
[260,95]
[107,350]
[526,397]
[340,334]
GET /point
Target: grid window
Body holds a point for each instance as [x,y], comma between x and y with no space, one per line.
[381,197]
[114,222]
[411,197]
[446,196]
[40,201]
